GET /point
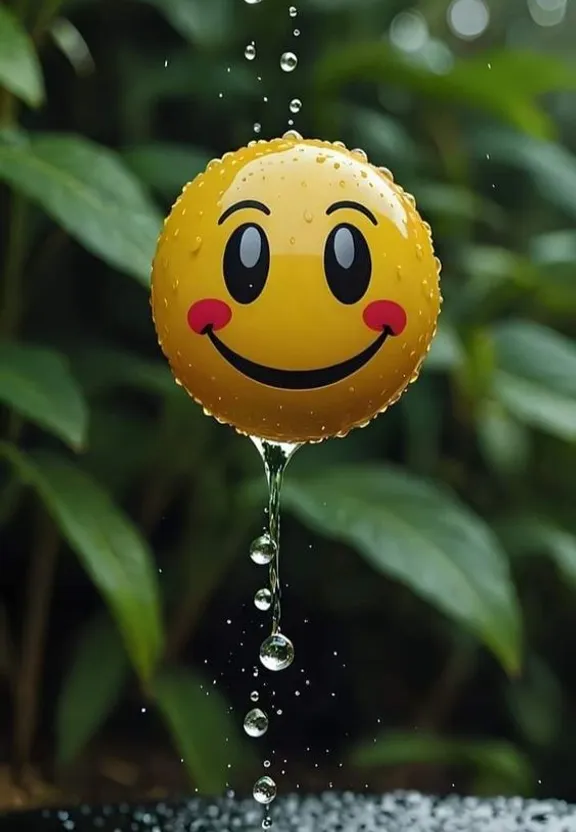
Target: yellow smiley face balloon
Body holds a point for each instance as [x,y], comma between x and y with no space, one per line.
[295,290]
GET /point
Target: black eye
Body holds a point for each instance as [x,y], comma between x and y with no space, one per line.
[246,262]
[347,263]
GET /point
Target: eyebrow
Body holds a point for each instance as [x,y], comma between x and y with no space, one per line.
[355,206]
[245,203]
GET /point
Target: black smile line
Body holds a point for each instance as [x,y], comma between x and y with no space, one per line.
[297,379]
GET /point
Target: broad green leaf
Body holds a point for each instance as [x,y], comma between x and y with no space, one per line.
[442,199]
[198,20]
[108,545]
[103,368]
[91,688]
[475,84]
[90,193]
[555,248]
[201,726]
[489,756]
[383,137]
[527,534]
[504,441]
[20,70]
[166,167]
[72,44]
[418,533]
[536,405]
[36,382]
[551,166]
[536,702]
[446,351]
[532,351]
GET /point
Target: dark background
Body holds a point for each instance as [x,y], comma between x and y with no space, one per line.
[126,515]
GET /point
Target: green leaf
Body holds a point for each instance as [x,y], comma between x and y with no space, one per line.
[526,534]
[484,756]
[91,688]
[166,167]
[551,166]
[446,351]
[197,20]
[538,353]
[20,70]
[481,84]
[536,703]
[504,441]
[37,383]
[72,44]
[418,533]
[536,405]
[382,137]
[103,368]
[202,728]
[110,548]
[90,193]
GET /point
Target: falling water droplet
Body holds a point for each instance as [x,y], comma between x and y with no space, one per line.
[292,11]
[263,599]
[267,822]
[266,764]
[250,52]
[264,790]
[295,105]
[254,696]
[252,2]
[262,550]
[257,127]
[288,61]
[277,652]
[256,723]
[296,33]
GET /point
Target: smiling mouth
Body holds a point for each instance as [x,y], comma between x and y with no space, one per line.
[297,379]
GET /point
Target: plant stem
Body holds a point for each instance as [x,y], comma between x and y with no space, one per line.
[38,597]
[11,299]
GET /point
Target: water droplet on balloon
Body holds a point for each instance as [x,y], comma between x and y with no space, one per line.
[256,723]
[295,105]
[262,550]
[264,790]
[196,244]
[292,134]
[277,652]
[361,153]
[387,173]
[263,599]
[308,216]
[288,61]
[250,52]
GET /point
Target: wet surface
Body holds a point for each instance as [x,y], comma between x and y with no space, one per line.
[331,812]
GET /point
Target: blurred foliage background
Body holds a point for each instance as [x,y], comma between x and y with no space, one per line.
[430,559]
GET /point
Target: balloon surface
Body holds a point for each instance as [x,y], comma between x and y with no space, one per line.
[295,291]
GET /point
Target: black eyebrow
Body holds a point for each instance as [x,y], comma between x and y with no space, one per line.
[356,206]
[245,203]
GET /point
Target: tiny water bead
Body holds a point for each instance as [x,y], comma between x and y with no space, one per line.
[262,550]
[256,723]
[257,127]
[295,105]
[254,696]
[264,790]
[252,2]
[263,599]
[288,61]
[277,652]
[267,822]
[250,52]
[292,11]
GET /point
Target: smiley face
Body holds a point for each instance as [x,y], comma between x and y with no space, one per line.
[295,290]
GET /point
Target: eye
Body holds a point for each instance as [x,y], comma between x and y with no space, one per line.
[246,262]
[347,263]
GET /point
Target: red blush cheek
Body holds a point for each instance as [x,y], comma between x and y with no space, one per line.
[208,313]
[385,314]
